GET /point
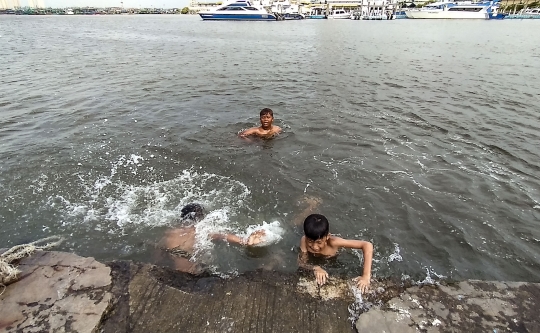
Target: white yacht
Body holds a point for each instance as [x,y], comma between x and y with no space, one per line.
[339,14]
[455,10]
[240,10]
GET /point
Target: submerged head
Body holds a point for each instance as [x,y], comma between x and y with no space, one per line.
[267,118]
[192,212]
[316,229]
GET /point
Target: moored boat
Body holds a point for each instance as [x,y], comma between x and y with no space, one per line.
[317,13]
[456,10]
[529,13]
[293,16]
[340,14]
[240,10]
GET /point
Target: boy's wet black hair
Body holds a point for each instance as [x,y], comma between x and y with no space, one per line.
[266,111]
[192,211]
[316,226]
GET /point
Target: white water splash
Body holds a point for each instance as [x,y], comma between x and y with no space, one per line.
[430,273]
[358,306]
[113,204]
[396,255]
[273,230]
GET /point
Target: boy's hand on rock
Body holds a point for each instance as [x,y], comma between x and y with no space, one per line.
[320,275]
[362,282]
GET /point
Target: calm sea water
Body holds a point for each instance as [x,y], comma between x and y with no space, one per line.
[420,136]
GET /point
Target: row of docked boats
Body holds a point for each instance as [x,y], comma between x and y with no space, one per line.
[249,10]
[457,10]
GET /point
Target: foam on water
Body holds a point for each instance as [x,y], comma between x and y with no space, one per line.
[432,277]
[111,203]
[215,222]
[396,255]
[273,230]
[219,222]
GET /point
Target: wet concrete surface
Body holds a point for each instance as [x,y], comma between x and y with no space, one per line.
[467,306]
[160,300]
[62,292]
[56,292]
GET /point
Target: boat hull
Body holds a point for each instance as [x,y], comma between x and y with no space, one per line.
[419,14]
[296,16]
[237,17]
[340,17]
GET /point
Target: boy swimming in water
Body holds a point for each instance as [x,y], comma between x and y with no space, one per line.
[319,242]
[179,243]
[267,129]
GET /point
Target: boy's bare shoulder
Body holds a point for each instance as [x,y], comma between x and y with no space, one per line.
[303,246]
[335,241]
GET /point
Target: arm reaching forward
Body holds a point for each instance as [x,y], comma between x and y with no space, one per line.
[248,132]
[255,238]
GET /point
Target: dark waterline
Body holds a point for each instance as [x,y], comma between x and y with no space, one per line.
[421,136]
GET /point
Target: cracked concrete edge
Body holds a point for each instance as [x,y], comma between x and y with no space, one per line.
[56,291]
[397,307]
[467,306]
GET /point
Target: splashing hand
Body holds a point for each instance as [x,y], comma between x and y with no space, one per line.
[256,237]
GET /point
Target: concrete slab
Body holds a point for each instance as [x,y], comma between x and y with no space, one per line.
[468,306]
[62,292]
[160,300]
[56,292]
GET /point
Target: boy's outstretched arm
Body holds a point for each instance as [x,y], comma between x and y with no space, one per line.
[255,238]
[248,132]
[320,274]
[367,249]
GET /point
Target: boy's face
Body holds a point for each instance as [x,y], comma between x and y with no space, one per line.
[266,120]
[316,246]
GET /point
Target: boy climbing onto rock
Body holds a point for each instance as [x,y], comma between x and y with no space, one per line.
[266,130]
[317,241]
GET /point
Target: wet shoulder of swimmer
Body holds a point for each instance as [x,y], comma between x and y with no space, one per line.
[318,241]
[179,242]
[266,130]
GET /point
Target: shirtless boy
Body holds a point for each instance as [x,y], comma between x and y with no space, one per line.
[179,242]
[267,129]
[318,241]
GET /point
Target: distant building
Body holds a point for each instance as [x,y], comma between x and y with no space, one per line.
[196,6]
[36,4]
[9,4]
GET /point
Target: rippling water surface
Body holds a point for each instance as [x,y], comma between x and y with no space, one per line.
[421,136]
